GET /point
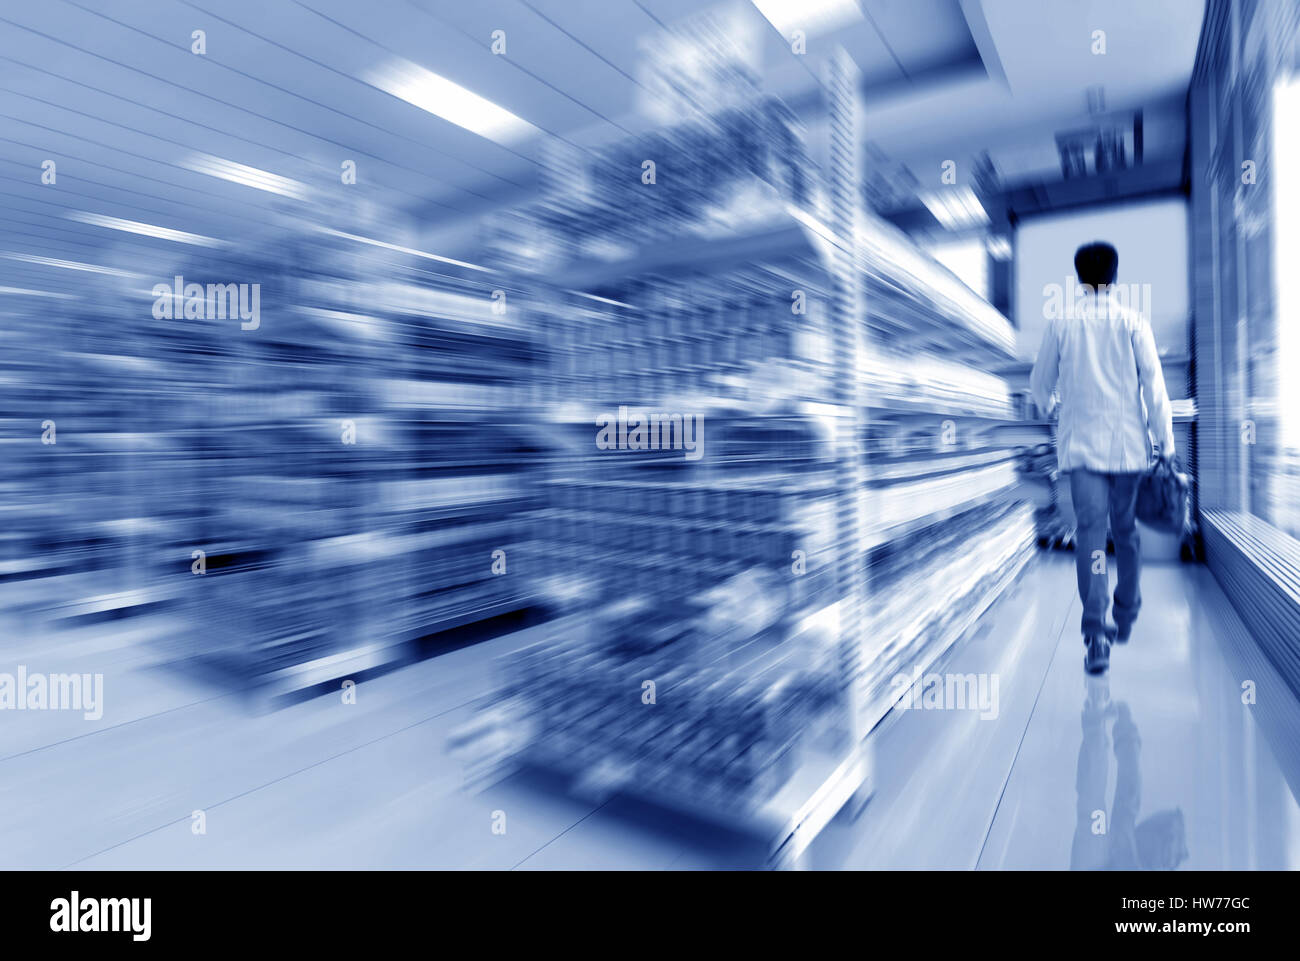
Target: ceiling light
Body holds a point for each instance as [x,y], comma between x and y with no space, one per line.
[603,300]
[28,292]
[955,207]
[67,264]
[248,176]
[999,248]
[147,230]
[405,250]
[810,16]
[449,100]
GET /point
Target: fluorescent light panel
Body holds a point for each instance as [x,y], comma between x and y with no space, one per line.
[28,292]
[405,250]
[67,264]
[999,248]
[603,300]
[247,176]
[146,230]
[810,16]
[447,99]
[955,207]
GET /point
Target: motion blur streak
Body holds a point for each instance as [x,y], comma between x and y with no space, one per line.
[398,466]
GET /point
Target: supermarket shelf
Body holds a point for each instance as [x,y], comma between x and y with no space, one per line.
[925,515]
[416,628]
[825,782]
[932,463]
[783,398]
[922,299]
[780,238]
[23,568]
[940,644]
[906,316]
[875,537]
[899,409]
[113,604]
[333,667]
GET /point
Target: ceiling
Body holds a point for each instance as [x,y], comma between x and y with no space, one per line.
[1041,67]
[112,94]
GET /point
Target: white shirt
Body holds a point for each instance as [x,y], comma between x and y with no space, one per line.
[1112,391]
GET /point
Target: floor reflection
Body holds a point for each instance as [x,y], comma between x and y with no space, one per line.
[1118,841]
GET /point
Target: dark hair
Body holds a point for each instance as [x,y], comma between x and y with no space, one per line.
[1096,264]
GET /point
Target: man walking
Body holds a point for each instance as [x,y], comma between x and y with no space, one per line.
[1102,355]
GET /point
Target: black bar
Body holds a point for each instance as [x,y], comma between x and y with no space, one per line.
[480,911]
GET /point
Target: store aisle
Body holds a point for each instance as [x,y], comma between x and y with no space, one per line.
[1160,764]
[927,758]
[324,784]
[1157,764]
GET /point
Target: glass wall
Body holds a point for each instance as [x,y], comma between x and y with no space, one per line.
[1242,113]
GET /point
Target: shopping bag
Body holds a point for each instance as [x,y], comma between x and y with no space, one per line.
[1162,497]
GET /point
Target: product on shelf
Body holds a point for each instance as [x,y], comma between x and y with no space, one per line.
[708,665]
[316,486]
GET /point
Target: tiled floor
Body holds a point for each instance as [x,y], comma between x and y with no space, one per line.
[323,784]
[1043,786]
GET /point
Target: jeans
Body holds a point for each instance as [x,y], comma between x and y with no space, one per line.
[1096,495]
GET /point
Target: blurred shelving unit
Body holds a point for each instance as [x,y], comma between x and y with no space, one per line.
[316,494]
[383,509]
[733,657]
[946,532]
[82,413]
[708,674]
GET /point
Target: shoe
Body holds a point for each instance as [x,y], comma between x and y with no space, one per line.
[1108,628]
[1122,634]
[1097,660]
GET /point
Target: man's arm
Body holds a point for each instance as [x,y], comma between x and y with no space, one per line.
[1160,419]
[1047,367]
